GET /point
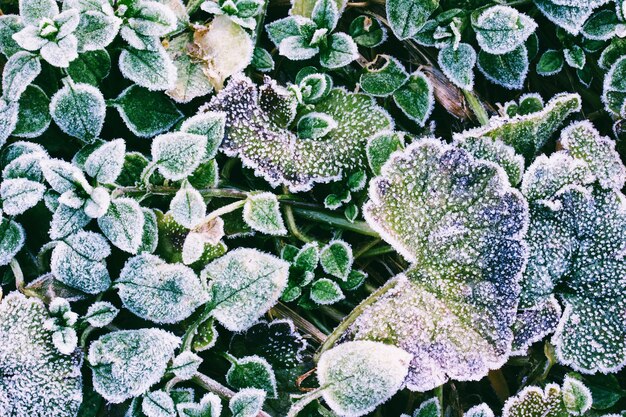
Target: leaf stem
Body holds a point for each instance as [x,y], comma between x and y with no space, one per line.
[477,108]
[193,328]
[351,318]
[18,274]
[293,227]
[223,210]
[358,226]
[303,401]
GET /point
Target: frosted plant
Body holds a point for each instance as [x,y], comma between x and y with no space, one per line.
[19,195]
[299,38]
[61,324]
[527,133]
[355,377]
[209,124]
[48,32]
[127,363]
[572,399]
[481,410]
[12,238]
[568,14]
[105,163]
[151,69]
[457,62]
[36,379]
[614,94]
[336,259]
[252,372]
[98,25]
[158,404]
[460,225]
[209,406]
[429,408]
[186,365]
[325,292]
[406,17]
[278,155]
[502,29]
[123,224]
[497,152]
[79,262]
[261,212]
[247,403]
[244,284]
[191,80]
[19,72]
[242,12]
[508,70]
[100,314]
[176,155]
[187,207]
[160,292]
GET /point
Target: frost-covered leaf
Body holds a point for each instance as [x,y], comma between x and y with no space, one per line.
[127,363]
[279,155]
[582,141]
[159,292]
[101,314]
[150,235]
[529,132]
[146,113]
[576,396]
[502,29]
[79,261]
[575,57]
[191,81]
[339,51]
[79,110]
[209,124]
[67,220]
[367,31]
[383,76]
[458,64]
[381,146]
[315,125]
[96,30]
[576,242]
[407,17]
[123,224]
[601,26]
[9,25]
[570,15]
[430,408]
[185,365]
[508,70]
[252,372]
[550,63]
[90,67]
[481,410]
[158,404]
[614,92]
[19,71]
[358,376]
[62,176]
[325,292]
[247,403]
[153,70]
[36,379]
[497,152]
[416,98]
[188,207]
[105,163]
[325,14]
[31,11]
[20,194]
[548,402]
[178,154]
[209,406]
[460,225]
[244,284]
[336,259]
[33,116]
[262,60]
[261,212]
[8,118]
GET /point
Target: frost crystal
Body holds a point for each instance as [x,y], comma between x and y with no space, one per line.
[244,284]
[573,399]
[160,292]
[187,206]
[20,194]
[279,155]
[358,376]
[460,224]
[105,163]
[262,212]
[178,154]
[127,363]
[78,261]
[123,224]
[35,380]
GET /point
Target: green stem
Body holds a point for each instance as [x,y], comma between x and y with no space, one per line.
[351,318]
[223,210]
[18,274]
[365,248]
[85,335]
[193,328]
[303,401]
[499,385]
[357,227]
[439,395]
[293,227]
[193,5]
[477,107]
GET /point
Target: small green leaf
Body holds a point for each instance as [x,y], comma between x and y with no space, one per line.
[507,70]
[416,98]
[367,31]
[550,63]
[79,110]
[262,60]
[315,125]
[252,372]
[575,57]
[90,67]
[502,29]
[325,291]
[576,396]
[261,212]
[206,336]
[101,314]
[355,279]
[336,259]
[19,71]
[458,64]
[33,116]
[381,146]
[247,403]
[188,207]
[158,404]
[123,224]
[12,239]
[339,52]
[209,124]
[383,76]
[407,17]
[178,154]
[185,365]
[601,26]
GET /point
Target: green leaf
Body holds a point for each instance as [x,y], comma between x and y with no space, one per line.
[123,224]
[507,70]
[325,292]
[31,11]
[381,146]
[79,110]
[315,87]
[278,155]
[19,71]
[432,408]
[33,116]
[536,402]
[185,365]
[355,279]
[605,390]
[153,70]
[146,113]
[576,396]
[458,64]
[244,284]
[101,314]
[188,207]
[247,402]
[191,81]
[307,257]
[90,67]
[569,15]
[550,63]
[502,29]
[358,376]
[42,380]
[497,152]
[12,239]
[367,31]
[252,372]
[339,51]
[160,292]
[481,410]
[262,60]
[209,406]
[315,125]
[96,30]
[407,17]
[261,212]
[474,221]
[416,98]
[126,363]
[209,124]
[9,25]
[158,404]
[601,26]
[105,163]
[336,259]
[383,76]
[614,92]
[19,195]
[325,14]
[575,57]
[178,154]
[206,336]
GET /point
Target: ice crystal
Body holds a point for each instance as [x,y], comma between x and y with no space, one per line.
[160,292]
[79,110]
[573,399]
[279,155]
[502,29]
[460,224]
[177,154]
[188,207]
[185,365]
[127,363]
[358,376]
[262,212]
[101,314]
[123,224]
[79,261]
[252,372]
[105,163]
[20,194]
[244,284]
[36,379]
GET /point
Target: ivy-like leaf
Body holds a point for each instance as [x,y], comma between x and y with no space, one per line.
[463,237]
[336,259]
[244,284]
[416,98]
[36,379]
[158,404]
[614,92]
[127,363]
[261,212]
[12,240]
[550,63]
[325,292]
